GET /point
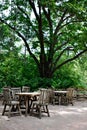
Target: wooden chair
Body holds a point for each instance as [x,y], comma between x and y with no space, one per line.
[25,89]
[2,93]
[41,105]
[53,98]
[9,102]
[14,91]
[68,98]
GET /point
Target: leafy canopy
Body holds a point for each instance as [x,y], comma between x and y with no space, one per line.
[53,31]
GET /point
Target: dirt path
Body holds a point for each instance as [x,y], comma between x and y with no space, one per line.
[61,118]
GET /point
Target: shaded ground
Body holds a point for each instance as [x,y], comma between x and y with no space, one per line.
[61,118]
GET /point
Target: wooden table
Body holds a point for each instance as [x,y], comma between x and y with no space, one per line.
[27,96]
[60,94]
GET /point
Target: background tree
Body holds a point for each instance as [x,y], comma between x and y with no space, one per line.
[54,32]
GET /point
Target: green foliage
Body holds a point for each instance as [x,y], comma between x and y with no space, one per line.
[16,70]
[64,78]
[44,82]
[54,33]
[71,75]
[20,71]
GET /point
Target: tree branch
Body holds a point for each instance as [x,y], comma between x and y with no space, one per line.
[75,21]
[60,22]
[69,60]
[27,18]
[47,14]
[41,38]
[22,37]
[66,18]
[57,59]
[59,47]
[34,9]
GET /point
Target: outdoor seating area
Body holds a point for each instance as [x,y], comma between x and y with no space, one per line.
[30,103]
[44,104]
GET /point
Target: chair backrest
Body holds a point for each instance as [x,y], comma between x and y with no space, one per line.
[25,89]
[14,91]
[7,96]
[51,95]
[70,93]
[44,96]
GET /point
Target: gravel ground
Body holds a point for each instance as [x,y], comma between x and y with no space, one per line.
[61,118]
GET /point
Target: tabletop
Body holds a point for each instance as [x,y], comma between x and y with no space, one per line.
[28,94]
[60,91]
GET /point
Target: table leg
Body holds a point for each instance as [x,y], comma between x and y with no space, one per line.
[59,100]
[26,111]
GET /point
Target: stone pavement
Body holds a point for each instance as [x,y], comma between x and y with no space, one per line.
[61,118]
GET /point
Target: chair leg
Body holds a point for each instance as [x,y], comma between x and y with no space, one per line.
[19,109]
[72,103]
[47,110]
[9,113]
[43,108]
[37,108]
[53,101]
[32,109]
[39,111]
[4,109]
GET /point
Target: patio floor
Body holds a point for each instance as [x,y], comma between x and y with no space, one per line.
[61,118]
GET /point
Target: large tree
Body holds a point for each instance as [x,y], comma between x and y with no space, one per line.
[53,31]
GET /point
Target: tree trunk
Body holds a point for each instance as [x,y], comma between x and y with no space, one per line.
[45,69]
